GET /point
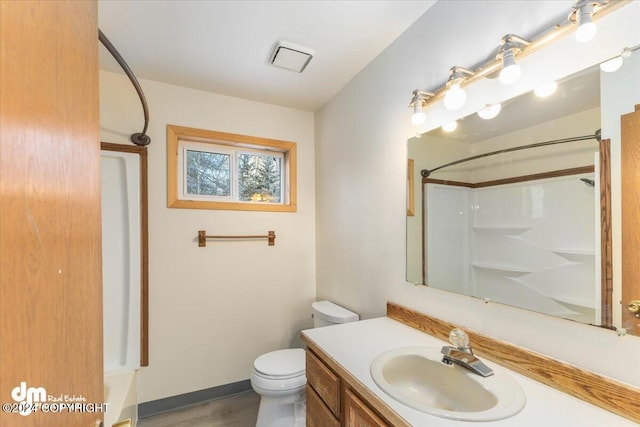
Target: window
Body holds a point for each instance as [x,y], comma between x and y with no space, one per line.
[215,170]
[219,173]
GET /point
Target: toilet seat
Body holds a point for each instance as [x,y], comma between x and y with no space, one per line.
[280,370]
[270,384]
[281,364]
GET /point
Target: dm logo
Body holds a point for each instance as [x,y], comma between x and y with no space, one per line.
[28,397]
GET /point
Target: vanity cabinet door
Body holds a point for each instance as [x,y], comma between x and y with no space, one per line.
[318,415]
[358,414]
[324,382]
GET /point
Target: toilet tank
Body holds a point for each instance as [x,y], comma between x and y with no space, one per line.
[326,313]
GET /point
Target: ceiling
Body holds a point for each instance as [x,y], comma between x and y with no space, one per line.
[224,46]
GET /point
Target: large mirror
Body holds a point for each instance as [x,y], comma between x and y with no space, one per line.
[521,227]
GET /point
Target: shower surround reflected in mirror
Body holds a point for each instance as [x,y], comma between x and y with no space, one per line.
[523,227]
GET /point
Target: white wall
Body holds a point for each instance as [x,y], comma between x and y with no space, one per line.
[213,310]
[541,159]
[361,162]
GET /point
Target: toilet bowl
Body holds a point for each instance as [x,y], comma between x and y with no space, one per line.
[279,376]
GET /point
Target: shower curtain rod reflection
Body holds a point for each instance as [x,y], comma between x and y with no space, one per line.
[597,135]
[140,138]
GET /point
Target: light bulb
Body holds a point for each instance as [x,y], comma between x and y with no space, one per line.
[586,28]
[546,89]
[510,74]
[450,126]
[418,116]
[455,97]
[511,71]
[612,65]
[490,111]
[586,32]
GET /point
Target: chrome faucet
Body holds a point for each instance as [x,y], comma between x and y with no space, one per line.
[462,354]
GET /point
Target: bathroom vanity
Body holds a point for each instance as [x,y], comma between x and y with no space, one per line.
[342,392]
[328,395]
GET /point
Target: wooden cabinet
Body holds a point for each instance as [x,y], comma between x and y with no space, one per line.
[323,393]
[331,402]
[324,382]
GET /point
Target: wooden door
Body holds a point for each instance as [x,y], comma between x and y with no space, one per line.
[630,151]
[50,249]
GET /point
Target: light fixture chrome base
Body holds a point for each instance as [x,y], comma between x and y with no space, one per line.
[420,96]
[580,4]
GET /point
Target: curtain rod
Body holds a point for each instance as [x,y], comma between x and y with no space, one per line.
[597,135]
[140,138]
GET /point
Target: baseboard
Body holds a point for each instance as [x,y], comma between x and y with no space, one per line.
[155,407]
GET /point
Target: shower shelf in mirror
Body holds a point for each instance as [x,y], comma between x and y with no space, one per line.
[513,271]
[507,231]
[575,255]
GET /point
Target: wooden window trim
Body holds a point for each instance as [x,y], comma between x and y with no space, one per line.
[177,133]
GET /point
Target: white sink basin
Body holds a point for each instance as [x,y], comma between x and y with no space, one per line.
[416,377]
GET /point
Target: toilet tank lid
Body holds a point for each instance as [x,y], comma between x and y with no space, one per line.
[333,313]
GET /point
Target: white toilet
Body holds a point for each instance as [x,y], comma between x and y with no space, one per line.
[279,376]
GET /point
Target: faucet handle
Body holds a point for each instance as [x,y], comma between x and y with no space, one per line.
[459,338]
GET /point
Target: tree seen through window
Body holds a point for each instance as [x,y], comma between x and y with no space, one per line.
[208,173]
[259,178]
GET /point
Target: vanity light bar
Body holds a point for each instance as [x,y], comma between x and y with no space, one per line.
[523,47]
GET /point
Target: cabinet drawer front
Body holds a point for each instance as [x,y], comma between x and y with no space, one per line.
[318,415]
[324,382]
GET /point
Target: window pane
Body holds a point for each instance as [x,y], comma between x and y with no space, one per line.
[259,178]
[208,173]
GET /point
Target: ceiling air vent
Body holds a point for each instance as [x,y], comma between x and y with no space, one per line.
[291,56]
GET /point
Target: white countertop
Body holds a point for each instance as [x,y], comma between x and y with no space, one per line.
[355,346]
